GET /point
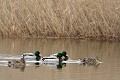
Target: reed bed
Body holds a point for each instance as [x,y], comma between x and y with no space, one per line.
[84,19]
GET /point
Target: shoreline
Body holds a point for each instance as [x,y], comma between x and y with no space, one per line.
[113,39]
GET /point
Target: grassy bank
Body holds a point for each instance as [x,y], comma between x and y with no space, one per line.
[92,19]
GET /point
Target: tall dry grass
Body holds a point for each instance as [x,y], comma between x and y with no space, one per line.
[93,19]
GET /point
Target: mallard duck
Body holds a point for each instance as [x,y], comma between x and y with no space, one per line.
[62,56]
[32,56]
[17,63]
[58,57]
[91,61]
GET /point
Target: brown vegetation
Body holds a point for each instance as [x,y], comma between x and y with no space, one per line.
[92,19]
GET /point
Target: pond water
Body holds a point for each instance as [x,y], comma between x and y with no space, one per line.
[107,52]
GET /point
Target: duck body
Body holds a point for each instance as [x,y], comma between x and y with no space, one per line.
[91,61]
[55,58]
[32,56]
[17,63]
[51,58]
[29,56]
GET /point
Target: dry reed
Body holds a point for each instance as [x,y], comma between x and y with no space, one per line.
[92,19]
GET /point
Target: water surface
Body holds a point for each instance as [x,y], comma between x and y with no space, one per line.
[107,52]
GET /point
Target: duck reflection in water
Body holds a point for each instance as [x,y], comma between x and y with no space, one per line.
[37,64]
[17,64]
[61,65]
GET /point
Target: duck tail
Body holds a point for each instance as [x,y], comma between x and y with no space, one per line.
[98,61]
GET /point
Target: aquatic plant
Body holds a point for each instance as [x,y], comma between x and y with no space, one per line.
[84,19]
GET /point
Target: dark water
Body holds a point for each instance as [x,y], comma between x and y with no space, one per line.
[107,52]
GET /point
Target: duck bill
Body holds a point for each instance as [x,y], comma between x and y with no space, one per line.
[40,55]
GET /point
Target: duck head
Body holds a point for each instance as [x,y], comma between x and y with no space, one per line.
[65,55]
[22,60]
[37,54]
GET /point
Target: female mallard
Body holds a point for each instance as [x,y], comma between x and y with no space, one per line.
[17,63]
[91,61]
